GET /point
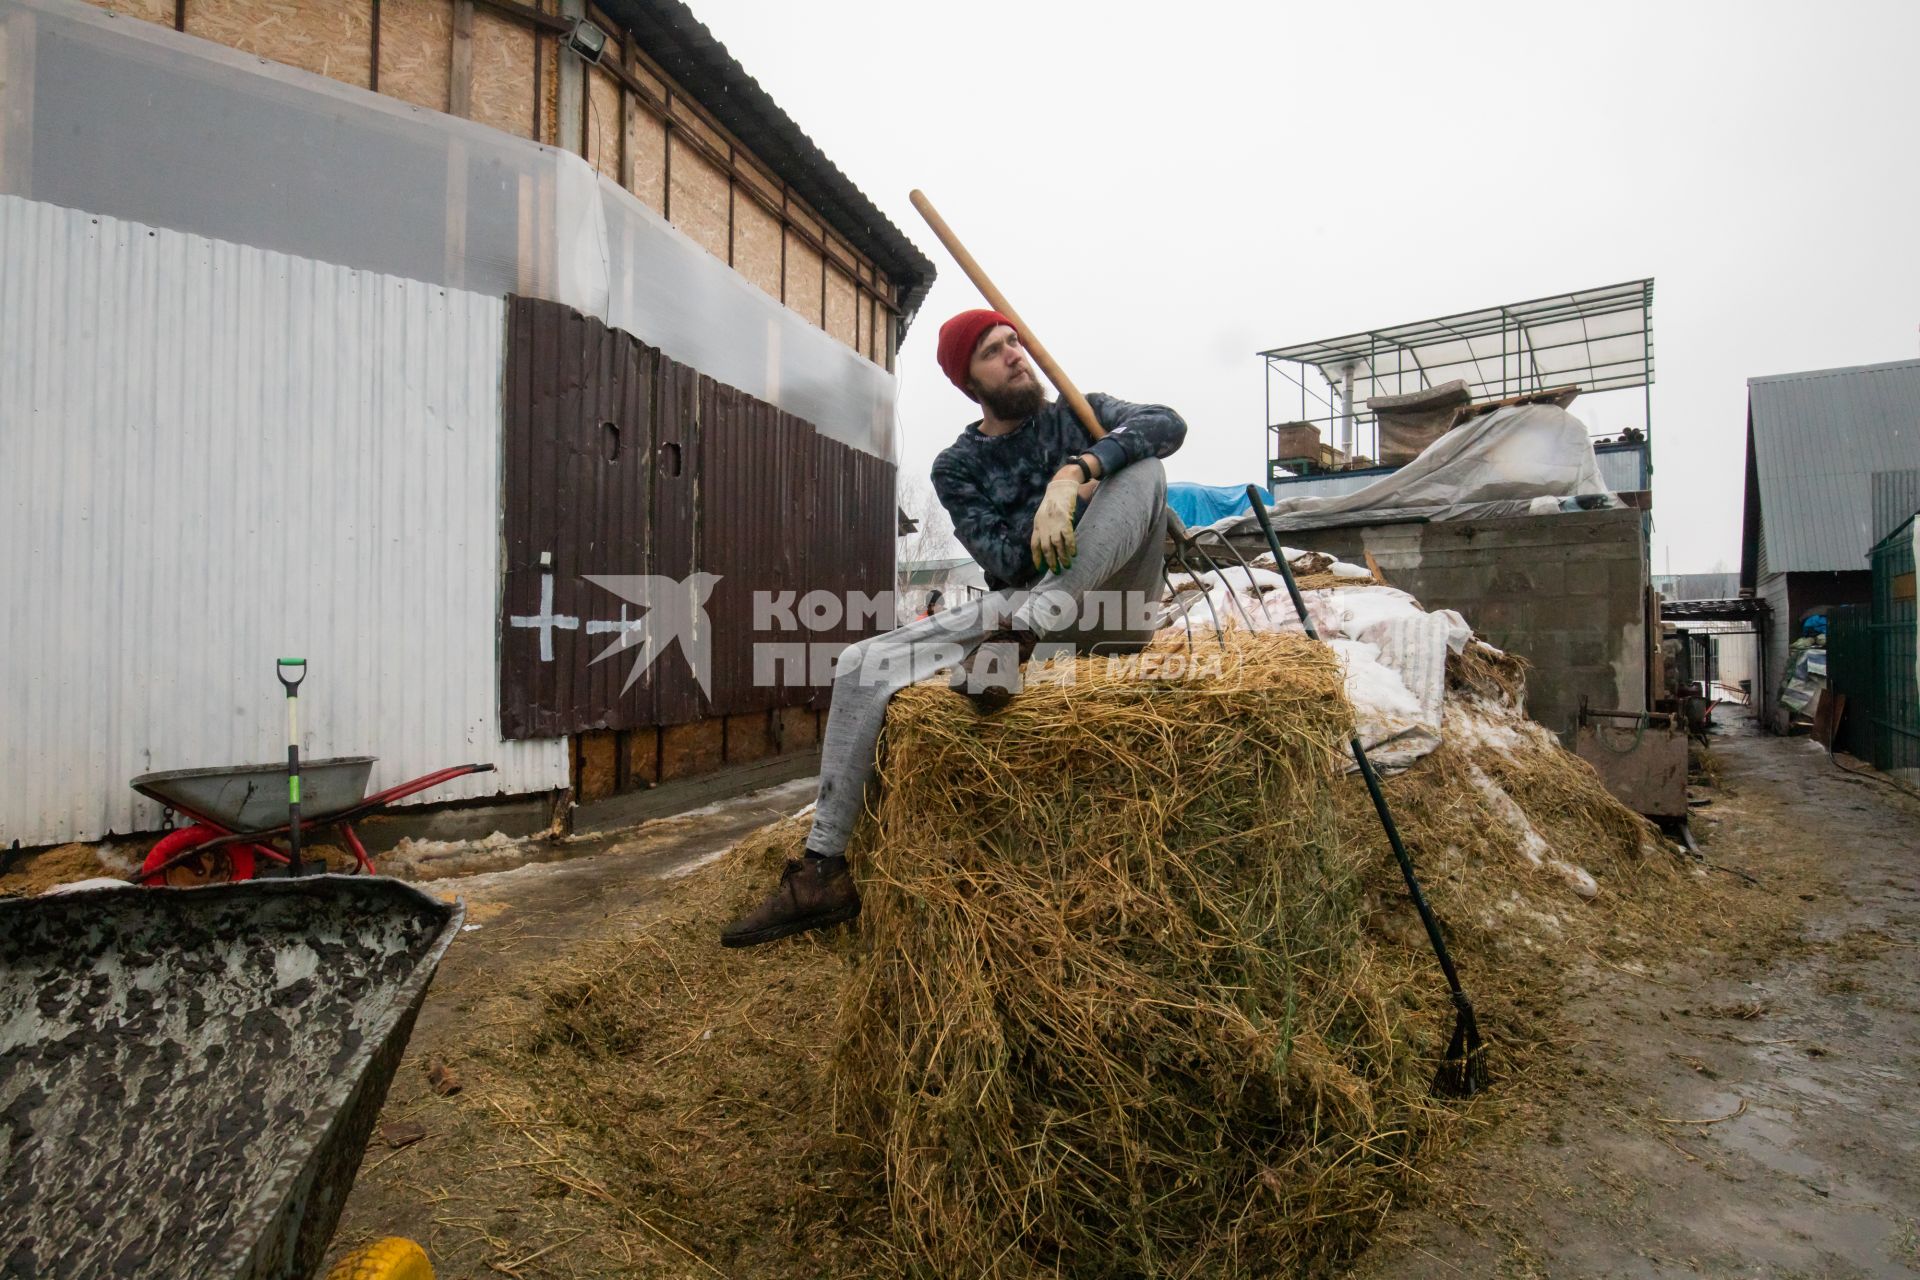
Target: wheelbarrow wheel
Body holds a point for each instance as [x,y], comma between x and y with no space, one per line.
[394,1258]
[228,863]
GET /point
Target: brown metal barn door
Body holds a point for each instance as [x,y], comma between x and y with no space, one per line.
[577,497]
[834,542]
[756,466]
[621,463]
[873,528]
[676,525]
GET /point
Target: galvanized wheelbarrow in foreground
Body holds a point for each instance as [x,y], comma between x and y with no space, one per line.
[188,1079]
[239,810]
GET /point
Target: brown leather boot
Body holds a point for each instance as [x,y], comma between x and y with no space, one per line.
[990,676]
[813,893]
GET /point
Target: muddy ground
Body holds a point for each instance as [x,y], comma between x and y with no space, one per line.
[1743,1110]
[1745,1114]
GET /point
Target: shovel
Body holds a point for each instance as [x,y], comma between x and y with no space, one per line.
[1463,1071]
[291,672]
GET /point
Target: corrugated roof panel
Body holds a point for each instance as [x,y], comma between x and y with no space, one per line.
[1819,437]
[1896,496]
[214,456]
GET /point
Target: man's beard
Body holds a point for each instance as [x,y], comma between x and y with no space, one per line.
[1015,403]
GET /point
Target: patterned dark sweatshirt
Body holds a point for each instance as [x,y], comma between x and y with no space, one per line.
[992,485]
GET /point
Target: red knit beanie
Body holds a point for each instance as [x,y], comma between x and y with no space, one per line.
[958,337]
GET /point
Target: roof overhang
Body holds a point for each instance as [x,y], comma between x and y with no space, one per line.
[669,34]
[1742,609]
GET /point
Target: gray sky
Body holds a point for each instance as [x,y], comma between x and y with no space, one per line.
[1165,189]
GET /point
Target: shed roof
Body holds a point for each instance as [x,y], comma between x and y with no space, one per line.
[1814,443]
[687,51]
[1596,339]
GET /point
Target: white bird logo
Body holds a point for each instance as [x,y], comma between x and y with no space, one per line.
[676,611]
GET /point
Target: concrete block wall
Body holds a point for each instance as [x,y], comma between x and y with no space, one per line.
[1567,592]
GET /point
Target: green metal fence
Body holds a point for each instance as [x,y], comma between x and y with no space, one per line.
[1850,670]
[1892,631]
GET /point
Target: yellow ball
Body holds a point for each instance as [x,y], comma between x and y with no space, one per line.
[394,1258]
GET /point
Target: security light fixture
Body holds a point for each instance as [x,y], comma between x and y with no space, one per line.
[587,40]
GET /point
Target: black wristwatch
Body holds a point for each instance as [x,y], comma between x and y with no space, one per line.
[1085,470]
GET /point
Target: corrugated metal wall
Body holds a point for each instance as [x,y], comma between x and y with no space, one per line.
[758,470]
[1782,629]
[704,477]
[212,456]
[1624,467]
[579,499]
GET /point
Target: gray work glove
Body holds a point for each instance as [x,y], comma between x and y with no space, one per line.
[1052,542]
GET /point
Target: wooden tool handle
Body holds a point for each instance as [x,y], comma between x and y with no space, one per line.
[1028,338]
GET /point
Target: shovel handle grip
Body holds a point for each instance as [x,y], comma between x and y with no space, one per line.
[998,301]
[299,668]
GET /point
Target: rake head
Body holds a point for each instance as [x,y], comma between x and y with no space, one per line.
[1463,1072]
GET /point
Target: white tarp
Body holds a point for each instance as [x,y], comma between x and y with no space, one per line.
[1394,652]
[1513,462]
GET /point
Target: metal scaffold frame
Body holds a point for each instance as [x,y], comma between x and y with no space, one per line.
[1593,341]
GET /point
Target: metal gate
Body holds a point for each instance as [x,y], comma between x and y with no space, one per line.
[1892,635]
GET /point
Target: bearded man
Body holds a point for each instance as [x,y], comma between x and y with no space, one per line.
[1069,531]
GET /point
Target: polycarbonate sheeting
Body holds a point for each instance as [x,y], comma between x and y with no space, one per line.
[671,294]
[1599,339]
[116,116]
[211,457]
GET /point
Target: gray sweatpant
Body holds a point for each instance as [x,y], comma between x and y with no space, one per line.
[1105,603]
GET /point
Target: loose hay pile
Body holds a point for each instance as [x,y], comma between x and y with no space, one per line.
[63,864]
[1136,990]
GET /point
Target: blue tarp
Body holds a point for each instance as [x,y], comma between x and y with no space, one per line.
[1202,504]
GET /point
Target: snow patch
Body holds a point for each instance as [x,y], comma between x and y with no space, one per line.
[409,847]
[1536,850]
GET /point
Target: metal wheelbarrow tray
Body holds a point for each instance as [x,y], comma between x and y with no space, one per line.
[254,797]
[188,1077]
[246,806]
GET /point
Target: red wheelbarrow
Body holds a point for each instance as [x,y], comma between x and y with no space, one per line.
[234,810]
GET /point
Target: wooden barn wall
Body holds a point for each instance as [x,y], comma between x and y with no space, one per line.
[621,461]
[492,64]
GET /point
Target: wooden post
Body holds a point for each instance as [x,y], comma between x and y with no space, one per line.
[570,114]
[626,120]
[460,71]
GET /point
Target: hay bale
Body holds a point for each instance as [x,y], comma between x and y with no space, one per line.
[1132,1026]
